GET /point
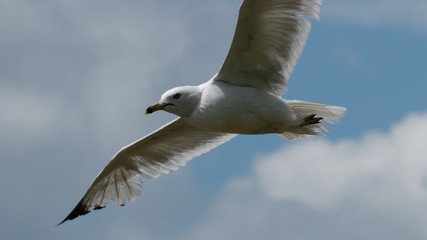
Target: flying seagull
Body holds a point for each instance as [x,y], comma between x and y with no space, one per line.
[244,97]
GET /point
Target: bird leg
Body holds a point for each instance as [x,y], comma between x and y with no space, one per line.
[311,119]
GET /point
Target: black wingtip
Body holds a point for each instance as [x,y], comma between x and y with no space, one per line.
[79,210]
[59,224]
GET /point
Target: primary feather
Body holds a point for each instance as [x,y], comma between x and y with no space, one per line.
[269,39]
[166,149]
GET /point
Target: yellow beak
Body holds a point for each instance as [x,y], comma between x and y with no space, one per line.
[153,108]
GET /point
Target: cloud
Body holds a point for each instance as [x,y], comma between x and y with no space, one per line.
[374,187]
[390,13]
[75,79]
[29,119]
[103,63]
[321,174]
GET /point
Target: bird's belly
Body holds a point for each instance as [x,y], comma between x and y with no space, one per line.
[232,125]
[239,121]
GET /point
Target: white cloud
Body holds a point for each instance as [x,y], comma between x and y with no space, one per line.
[391,13]
[321,174]
[109,60]
[75,79]
[27,115]
[324,190]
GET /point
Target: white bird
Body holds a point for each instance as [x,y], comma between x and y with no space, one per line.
[244,97]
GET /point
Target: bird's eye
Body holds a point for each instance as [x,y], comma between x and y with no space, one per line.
[176,96]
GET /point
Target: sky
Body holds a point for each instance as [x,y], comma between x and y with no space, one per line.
[76,77]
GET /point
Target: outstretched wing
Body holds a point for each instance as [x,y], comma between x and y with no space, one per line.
[269,39]
[166,149]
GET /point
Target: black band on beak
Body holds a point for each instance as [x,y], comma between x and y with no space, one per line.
[153,108]
[149,110]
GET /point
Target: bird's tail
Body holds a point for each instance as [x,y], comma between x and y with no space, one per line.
[310,117]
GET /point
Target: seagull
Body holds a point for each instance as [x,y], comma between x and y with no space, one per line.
[244,97]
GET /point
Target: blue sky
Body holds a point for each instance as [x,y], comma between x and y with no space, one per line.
[76,77]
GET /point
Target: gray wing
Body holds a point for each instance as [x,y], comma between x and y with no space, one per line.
[269,39]
[160,152]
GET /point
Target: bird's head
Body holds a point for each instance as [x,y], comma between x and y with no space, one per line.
[180,101]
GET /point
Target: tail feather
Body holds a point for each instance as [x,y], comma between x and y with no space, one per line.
[310,117]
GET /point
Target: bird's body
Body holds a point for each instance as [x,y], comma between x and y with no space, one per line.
[239,109]
[244,97]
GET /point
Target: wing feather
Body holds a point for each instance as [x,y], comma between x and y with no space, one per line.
[162,151]
[269,39]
